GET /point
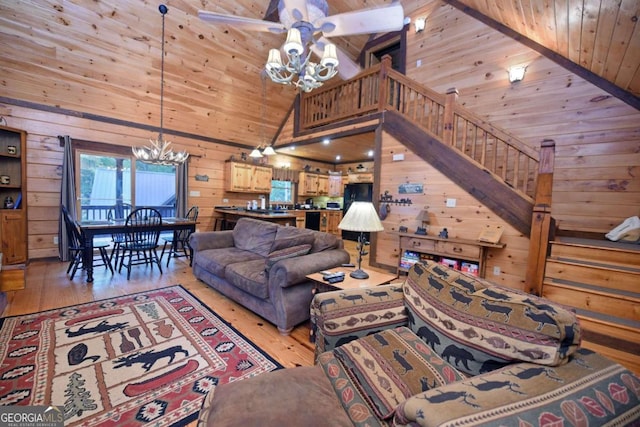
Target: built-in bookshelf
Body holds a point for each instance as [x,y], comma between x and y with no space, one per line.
[13,192]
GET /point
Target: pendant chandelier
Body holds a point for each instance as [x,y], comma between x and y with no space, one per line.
[268,149]
[159,152]
[299,71]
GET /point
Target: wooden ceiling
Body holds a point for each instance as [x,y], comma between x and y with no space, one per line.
[105,53]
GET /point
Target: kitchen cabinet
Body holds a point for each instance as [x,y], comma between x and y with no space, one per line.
[329,221]
[248,178]
[336,189]
[461,254]
[261,179]
[13,195]
[313,184]
[360,177]
[301,219]
[323,185]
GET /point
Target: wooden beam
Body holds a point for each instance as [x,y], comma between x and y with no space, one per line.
[606,85]
[111,120]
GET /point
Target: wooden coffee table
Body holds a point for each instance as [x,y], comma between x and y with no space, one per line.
[376,278]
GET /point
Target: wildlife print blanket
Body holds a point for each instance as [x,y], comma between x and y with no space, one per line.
[141,358]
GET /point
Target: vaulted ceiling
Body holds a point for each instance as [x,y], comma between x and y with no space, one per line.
[103,53]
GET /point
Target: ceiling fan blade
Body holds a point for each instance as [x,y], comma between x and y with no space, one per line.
[366,21]
[247,24]
[347,67]
[296,9]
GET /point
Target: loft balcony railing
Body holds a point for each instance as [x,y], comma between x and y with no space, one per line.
[381,88]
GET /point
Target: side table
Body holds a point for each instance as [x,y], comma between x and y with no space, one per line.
[376,278]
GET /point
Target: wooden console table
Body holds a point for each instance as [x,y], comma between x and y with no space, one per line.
[461,249]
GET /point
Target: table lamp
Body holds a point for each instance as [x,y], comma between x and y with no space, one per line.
[362,217]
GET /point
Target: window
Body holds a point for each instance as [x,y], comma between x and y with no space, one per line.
[108,181]
[281,192]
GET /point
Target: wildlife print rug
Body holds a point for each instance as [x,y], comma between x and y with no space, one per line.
[149,357]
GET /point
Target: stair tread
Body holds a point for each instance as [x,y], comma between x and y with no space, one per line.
[624,246]
[608,318]
[584,286]
[581,261]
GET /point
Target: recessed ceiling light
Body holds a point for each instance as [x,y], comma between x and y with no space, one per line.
[338,157]
[326,141]
[370,153]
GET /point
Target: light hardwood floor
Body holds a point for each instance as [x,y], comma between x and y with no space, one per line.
[48,287]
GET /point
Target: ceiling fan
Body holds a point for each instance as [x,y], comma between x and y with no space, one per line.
[312,19]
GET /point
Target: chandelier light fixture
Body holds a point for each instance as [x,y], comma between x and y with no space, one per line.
[299,70]
[268,150]
[159,152]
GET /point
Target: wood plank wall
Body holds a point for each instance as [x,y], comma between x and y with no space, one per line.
[597,167]
[463,221]
[44,168]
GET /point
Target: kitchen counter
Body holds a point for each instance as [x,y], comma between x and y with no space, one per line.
[291,217]
[231,215]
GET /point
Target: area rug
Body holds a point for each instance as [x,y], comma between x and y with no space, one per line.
[145,358]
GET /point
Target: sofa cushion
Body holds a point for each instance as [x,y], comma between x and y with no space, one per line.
[254,236]
[287,240]
[216,261]
[284,253]
[590,390]
[479,326]
[323,241]
[250,277]
[391,366]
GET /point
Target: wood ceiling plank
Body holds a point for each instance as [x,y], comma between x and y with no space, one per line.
[625,25]
[606,24]
[562,27]
[590,17]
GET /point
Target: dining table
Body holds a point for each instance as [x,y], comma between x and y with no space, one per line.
[93,228]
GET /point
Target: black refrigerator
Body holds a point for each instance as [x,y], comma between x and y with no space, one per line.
[355,193]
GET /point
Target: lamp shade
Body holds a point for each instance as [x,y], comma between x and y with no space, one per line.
[423,216]
[361,216]
[255,153]
[293,45]
[330,56]
[269,151]
[275,60]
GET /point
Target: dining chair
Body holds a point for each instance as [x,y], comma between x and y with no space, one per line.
[77,247]
[117,239]
[179,241]
[141,236]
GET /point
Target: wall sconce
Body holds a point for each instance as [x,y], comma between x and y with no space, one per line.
[516,73]
[420,24]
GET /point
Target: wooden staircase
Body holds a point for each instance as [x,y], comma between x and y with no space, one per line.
[601,280]
[500,170]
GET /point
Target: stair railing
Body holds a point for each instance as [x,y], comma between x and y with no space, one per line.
[381,88]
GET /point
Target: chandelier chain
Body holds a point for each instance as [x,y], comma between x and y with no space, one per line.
[160,152]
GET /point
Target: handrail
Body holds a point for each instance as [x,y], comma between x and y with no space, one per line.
[381,88]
